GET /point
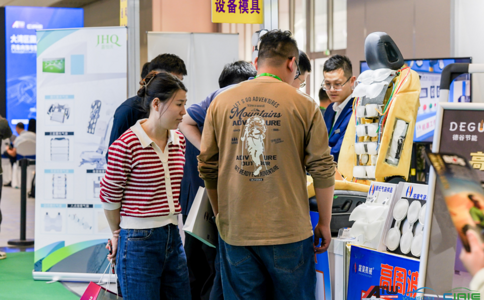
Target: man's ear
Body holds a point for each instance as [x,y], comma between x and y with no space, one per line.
[256,61]
[292,64]
[352,80]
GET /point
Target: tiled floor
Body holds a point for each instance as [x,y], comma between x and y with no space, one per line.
[10,206]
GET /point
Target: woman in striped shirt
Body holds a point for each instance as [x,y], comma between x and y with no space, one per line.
[140,194]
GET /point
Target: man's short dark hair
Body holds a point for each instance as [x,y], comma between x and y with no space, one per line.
[304,63]
[169,63]
[144,70]
[276,46]
[20,125]
[323,96]
[236,72]
[336,62]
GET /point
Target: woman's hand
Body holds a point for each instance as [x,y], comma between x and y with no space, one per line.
[112,246]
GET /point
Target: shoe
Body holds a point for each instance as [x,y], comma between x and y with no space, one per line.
[3,255]
[8,184]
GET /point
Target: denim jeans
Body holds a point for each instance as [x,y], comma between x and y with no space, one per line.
[151,264]
[268,272]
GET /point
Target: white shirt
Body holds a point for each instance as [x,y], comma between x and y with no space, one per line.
[24,136]
[338,108]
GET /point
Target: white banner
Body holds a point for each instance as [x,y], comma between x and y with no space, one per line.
[204,54]
[81,80]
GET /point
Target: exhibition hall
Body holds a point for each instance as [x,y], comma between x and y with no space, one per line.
[231,149]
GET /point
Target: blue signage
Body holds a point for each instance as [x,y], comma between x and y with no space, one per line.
[381,275]
[21,54]
[323,284]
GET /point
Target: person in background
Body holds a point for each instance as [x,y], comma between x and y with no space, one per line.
[5,133]
[304,68]
[32,126]
[262,136]
[339,84]
[324,101]
[205,280]
[131,110]
[474,261]
[140,192]
[23,135]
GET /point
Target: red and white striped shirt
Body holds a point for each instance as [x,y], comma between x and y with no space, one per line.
[143,180]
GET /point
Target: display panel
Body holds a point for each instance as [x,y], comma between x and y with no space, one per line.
[430,71]
[20,25]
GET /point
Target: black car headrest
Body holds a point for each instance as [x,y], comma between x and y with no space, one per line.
[382,52]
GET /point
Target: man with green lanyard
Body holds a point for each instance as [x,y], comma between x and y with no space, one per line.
[263,135]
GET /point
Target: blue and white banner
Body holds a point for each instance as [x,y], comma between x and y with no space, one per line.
[81,80]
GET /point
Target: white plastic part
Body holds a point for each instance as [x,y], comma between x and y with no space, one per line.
[373,229]
[382,74]
[371,110]
[406,242]
[375,89]
[421,216]
[360,148]
[372,129]
[360,90]
[416,249]
[400,209]
[372,148]
[370,171]
[393,239]
[374,159]
[413,211]
[360,110]
[366,77]
[364,159]
[361,130]
[359,172]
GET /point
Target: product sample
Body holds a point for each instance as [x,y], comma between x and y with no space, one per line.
[96,186]
[80,221]
[378,140]
[59,149]
[53,224]
[94,116]
[58,113]
[59,186]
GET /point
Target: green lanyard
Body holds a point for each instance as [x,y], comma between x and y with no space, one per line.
[270,75]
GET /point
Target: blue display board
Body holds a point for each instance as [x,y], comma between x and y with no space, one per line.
[21,54]
[380,275]
[430,71]
[323,284]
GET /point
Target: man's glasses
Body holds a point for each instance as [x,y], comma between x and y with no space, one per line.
[337,87]
[303,83]
[298,72]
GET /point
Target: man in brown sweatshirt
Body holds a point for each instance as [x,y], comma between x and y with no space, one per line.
[259,139]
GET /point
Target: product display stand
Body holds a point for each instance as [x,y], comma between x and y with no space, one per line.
[24,163]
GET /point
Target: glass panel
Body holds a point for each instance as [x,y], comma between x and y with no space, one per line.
[300,23]
[339,24]
[320,33]
[284,15]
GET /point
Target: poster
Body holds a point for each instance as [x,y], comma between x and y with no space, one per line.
[323,280]
[379,275]
[81,80]
[20,54]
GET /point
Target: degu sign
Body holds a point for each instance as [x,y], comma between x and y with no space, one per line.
[107,41]
[466,126]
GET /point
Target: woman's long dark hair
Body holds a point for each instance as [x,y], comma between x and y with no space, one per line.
[161,85]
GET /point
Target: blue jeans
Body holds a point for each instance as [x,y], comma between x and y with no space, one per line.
[268,272]
[151,264]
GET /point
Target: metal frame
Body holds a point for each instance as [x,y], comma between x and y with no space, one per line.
[133,47]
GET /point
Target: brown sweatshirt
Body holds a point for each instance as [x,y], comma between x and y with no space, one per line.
[259,139]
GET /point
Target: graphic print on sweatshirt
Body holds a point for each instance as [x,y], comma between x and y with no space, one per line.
[257,125]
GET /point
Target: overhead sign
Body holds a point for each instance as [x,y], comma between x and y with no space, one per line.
[238,11]
[123,13]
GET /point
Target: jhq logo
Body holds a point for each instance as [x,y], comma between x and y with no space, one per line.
[408,194]
[107,41]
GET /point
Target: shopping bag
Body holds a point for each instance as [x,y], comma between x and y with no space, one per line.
[95,291]
[199,223]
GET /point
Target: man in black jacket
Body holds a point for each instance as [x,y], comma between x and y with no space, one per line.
[131,110]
